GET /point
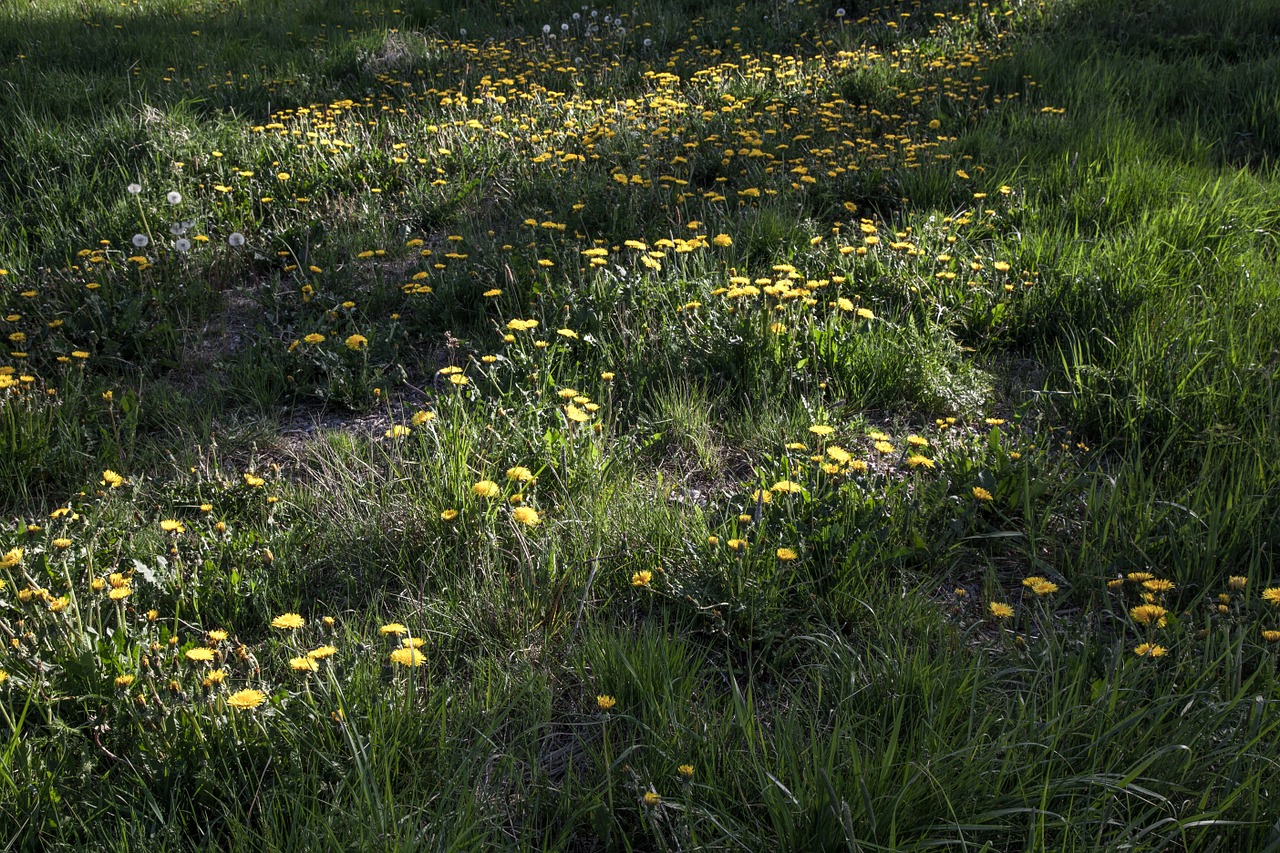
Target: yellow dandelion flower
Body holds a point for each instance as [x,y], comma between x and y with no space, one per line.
[303,663]
[1271,636]
[821,429]
[200,654]
[642,578]
[62,543]
[999,610]
[685,770]
[314,338]
[787,554]
[519,474]
[1158,585]
[605,702]
[288,622]
[1147,650]
[448,514]
[120,593]
[408,657]
[652,798]
[982,494]
[245,700]
[123,681]
[526,516]
[356,342]
[486,489]
[393,628]
[1272,595]
[1045,588]
[1237,582]
[172,525]
[322,652]
[1147,614]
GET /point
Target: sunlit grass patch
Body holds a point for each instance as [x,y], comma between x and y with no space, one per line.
[537,425]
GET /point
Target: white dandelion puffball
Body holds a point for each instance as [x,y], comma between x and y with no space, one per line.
[182,245]
[174,197]
[235,239]
[141,240]
[134,189]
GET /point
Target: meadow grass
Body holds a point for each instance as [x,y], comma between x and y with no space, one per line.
[748,425]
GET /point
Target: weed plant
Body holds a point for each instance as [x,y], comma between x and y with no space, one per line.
[669,426]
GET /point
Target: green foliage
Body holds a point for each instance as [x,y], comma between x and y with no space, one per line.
[699,425]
